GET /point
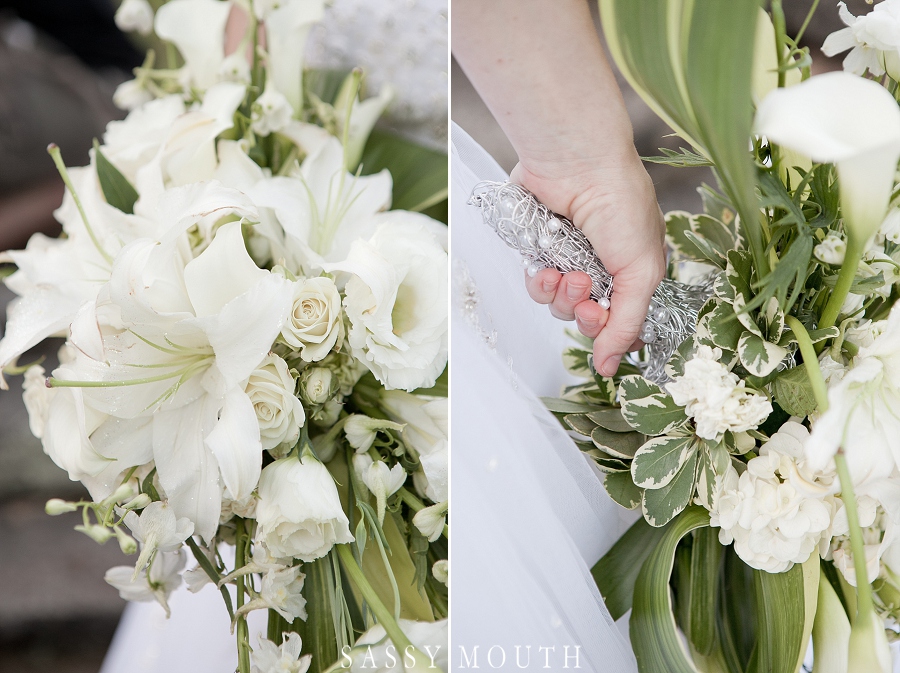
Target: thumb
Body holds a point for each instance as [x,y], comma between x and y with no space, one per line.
[632,291]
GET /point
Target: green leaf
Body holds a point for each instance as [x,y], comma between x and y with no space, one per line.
[575,360]
[658,461]
[647,408]
[317,631]
[580,423]
[794,392]
[723,326]
[682,158]
[561,406]
[760,357]
[715,232]
[606,462]
[119,193]
[677,223]
[708,251]
[779,615]
[654,636]
[616,573]
[419,174]
[706,560]
[618,444]
[610,419]
[622,490]
[661,505]
[815,335]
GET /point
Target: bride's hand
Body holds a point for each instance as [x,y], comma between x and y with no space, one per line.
[616,209]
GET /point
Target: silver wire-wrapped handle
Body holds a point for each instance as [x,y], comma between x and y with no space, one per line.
[547,240]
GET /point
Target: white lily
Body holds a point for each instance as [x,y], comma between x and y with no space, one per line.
[820,119]
[157,529]
[197,28]
[287,27]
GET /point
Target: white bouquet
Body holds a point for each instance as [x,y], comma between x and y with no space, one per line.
[255,343]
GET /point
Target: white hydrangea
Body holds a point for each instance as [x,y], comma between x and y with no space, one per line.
[778,511]
[716,398]
[873,523]
[873,40]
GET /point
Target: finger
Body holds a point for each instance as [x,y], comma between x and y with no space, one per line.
[590,318]
[574,288]
[628,310]
[542,287]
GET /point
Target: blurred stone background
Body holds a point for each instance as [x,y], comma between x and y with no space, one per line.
[57,615]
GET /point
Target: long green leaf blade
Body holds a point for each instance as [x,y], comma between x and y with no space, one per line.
[119,193]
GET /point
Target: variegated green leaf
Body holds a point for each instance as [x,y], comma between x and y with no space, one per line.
[815,335]
[606,390]
[661,505]
[718,235]
[622,490]
[723,289]
[684,352]
[611,419]
[657,462]
[739,273]
[773,320]
[740,310]
[580,423]
[606,462]
[708,250]
[723,327]
[678,222]
[759,356]
[561,406]
[794,392]
[647,408]
[575,361]
[617,444]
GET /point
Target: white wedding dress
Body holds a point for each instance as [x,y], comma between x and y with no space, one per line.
[530,515]
[401,43]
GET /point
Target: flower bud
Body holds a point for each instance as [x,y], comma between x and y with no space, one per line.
[317,385]
[127,544]
[831,250]
[55,507]
[124,492]
[441,571]
[138,502]
[99,534]
[430,521]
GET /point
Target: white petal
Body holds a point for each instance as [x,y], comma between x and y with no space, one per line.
[197,28]
[236,445]
[287,28]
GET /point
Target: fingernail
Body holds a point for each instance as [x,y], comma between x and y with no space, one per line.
[574,291]
[549,285]
[611,366]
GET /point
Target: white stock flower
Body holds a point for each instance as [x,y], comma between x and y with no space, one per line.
[715,397]
[282,591]
[164,577]
[441,571]
[396,300]
[873,40]
[779,511]
[361,430]
[431,520]
[818,118]
[863,416]
[271,658]
[278,411]
[271,112]
[197,28]
[831,250]
[157,529]
[314,325]
[135,15]
[131,94]
[426,431]
[374,651]
[299,511]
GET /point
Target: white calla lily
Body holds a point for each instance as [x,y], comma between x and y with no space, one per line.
[820,118]
[287,27]
[197,28]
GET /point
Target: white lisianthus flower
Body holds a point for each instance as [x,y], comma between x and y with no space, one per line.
[778,511]
[279,413]
[375,651]
[361,430]
[396,300]
[873,39]
[270,658]
[271,112]
[131,94]
[314,325]
[863,415]
[431,520]
[163,579]
[135,15]
[715,397]
[158,530]
[427,431]
[441,571]
[299,511]
[831,250]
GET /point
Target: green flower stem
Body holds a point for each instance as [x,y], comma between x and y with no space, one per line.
[864,605]
[210,571]
[382,614]
[243,635]
[780,35]
[810,361]
[844,282]
[416,505]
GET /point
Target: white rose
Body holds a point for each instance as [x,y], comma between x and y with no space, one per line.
[831,250]
[271,112]
[314,325]
[279,413]
[135,15]
[715,397]
[299,512]
[316,385]
[396,300]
